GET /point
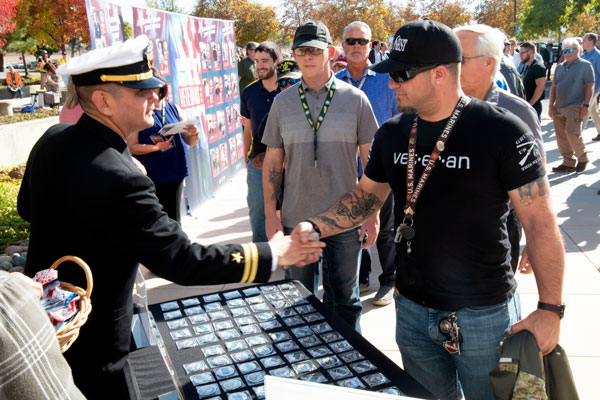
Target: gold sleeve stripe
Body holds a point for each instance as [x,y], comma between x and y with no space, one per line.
[254,263]
[247,263]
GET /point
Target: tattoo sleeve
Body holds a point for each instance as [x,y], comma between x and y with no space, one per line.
[529,192]
[350,211]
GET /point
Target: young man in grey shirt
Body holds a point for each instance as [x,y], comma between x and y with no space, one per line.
[317,126]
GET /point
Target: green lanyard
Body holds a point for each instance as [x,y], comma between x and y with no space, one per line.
[324,110]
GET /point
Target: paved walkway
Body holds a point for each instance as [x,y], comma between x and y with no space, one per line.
[224,219]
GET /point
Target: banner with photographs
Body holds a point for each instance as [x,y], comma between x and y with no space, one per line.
[105,22]
[197,57]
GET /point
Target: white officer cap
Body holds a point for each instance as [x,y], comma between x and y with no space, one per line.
[127,64]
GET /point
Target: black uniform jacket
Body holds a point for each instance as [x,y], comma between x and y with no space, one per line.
[84,197]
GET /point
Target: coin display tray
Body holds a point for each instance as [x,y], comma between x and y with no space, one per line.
[222,345]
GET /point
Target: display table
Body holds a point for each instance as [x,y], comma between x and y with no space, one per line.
[221,345]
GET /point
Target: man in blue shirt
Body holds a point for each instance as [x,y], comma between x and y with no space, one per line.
[592,55]
[256,102]
[357,43]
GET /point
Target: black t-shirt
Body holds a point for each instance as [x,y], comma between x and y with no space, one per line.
[460,254]
[535,71]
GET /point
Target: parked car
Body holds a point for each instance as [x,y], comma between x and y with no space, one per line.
[18,66]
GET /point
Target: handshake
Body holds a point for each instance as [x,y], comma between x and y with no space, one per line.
[301,248]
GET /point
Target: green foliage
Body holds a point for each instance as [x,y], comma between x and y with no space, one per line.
[538,17]
[127,30]
[21,117]
[166,5]
[12,227]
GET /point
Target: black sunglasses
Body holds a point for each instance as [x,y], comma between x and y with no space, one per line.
[289,81]
[353,41]
[408,74]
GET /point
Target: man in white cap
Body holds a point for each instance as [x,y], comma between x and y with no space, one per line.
[84,197]
[453,163]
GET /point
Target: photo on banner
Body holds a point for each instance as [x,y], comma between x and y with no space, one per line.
[105,22]
[190,53]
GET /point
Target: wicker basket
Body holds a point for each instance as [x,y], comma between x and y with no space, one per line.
[67,334]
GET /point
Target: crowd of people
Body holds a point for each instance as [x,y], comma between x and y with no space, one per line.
[342,143]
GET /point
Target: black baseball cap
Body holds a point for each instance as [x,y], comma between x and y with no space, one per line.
[418,43]
[312,34]
[288,69]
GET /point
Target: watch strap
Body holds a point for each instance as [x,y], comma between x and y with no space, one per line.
[585,105]
[557,308]
[314,226]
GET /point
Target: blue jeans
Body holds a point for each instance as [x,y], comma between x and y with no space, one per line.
[256,203]
[447,375]
[340,262]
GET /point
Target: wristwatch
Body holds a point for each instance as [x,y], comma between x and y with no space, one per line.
[585,105]
[559,309]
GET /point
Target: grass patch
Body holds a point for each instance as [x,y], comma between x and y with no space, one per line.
[20,117]
[13,228]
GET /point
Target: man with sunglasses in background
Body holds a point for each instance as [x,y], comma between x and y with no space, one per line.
[356,41]
[453,163]
[256,101]
[534,77]
[570,96]
[318,125]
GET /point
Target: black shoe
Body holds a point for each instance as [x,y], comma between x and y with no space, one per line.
[580,166]
[563,168]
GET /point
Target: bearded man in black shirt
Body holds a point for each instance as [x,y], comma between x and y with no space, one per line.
[453,166]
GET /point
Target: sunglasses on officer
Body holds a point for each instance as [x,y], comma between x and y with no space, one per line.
[283,83]
[408,74]
[565,51]
[353,41]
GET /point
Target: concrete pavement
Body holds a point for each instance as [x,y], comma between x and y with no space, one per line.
[224,219]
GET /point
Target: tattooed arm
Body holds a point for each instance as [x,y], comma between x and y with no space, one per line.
[371,225]
[272,173]
[350,211]
[545,249]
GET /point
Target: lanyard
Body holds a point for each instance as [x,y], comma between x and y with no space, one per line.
[405,230]
[360,84]
[324,110]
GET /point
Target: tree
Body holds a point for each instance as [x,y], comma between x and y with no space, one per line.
[54,25]
[295,13]
[337,14]
[20,42]
[588,21]
[166,5]
[448,12]
[253,22]
[538,17]
[8,10]
[127,30]
[497,13]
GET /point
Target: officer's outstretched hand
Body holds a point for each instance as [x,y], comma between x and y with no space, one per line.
[295,252]
[545,326]
[303,233]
